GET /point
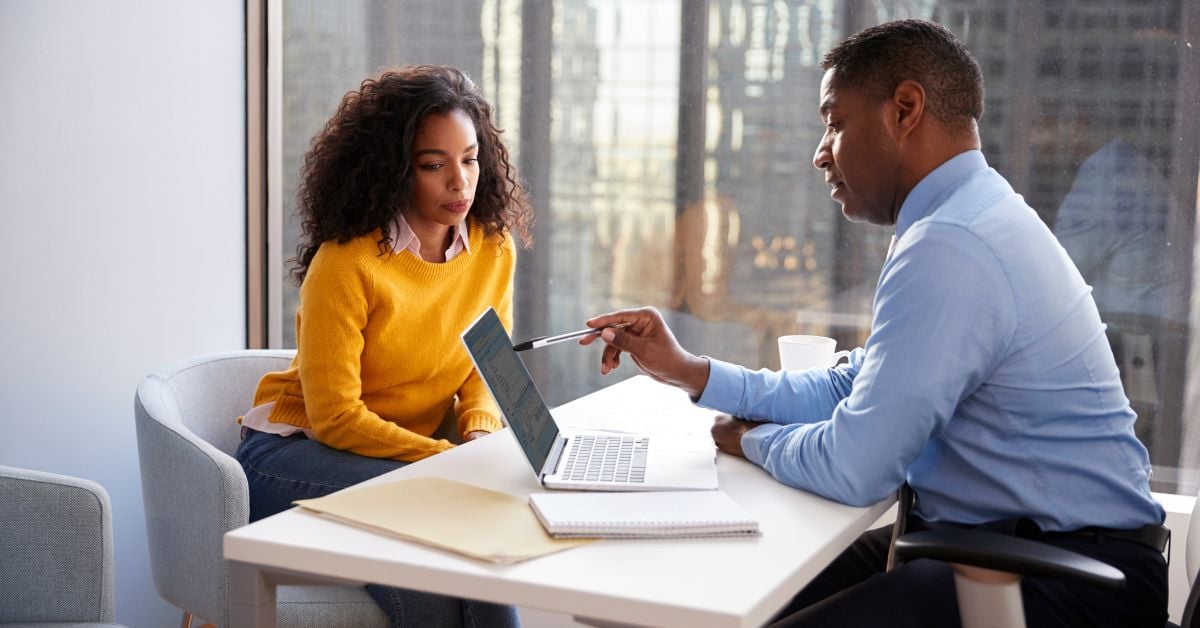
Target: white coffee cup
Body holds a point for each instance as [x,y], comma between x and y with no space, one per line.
[803,352]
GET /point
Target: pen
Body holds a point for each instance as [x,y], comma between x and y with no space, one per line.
[549,340]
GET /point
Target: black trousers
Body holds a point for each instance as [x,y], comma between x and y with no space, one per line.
[855,591]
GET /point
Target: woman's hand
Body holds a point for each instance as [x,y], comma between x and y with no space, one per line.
[470,436]
[653,347]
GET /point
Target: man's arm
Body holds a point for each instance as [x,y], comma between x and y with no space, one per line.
[944,314]
[784,397]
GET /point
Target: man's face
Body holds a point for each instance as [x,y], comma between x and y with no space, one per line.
[858,155]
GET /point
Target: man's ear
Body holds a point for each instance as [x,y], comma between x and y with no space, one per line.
[908,107]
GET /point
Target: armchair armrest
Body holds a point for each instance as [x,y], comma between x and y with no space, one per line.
[999,552]
[56,551]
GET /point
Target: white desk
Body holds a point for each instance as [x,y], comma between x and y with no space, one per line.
[683,582]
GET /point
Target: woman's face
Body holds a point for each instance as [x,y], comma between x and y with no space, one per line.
[445,171]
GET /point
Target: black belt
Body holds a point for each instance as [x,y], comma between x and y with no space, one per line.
[1153,536]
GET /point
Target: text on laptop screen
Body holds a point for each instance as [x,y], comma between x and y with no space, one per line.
[512,387]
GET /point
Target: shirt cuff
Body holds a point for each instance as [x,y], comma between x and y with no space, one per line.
[754,442]
[725,389]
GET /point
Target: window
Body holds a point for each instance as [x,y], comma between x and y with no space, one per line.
[668,144]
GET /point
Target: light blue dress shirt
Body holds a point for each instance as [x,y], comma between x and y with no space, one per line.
[987,381]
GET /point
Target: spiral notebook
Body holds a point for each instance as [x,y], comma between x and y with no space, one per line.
[656,515]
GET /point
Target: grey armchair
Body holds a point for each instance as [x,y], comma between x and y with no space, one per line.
[195,491]
[56,551]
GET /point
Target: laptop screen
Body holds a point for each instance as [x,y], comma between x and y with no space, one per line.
[512,387]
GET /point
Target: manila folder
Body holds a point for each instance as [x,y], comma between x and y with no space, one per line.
[450,515]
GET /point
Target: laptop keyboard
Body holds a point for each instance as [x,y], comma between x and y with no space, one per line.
[620,459]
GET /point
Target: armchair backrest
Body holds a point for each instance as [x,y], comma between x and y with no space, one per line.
[56,550]
[193,489]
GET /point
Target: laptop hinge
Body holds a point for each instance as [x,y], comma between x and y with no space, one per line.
[552,458]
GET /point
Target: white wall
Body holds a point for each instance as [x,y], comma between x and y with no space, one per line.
[122,228]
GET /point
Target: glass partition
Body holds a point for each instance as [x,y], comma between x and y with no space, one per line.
[668,148]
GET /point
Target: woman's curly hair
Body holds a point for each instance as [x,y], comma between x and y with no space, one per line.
[358,174]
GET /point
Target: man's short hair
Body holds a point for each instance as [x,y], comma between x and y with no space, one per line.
[878,58]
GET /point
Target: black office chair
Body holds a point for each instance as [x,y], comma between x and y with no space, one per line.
[988,567]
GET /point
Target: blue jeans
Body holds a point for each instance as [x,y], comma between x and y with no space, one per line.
[282,469]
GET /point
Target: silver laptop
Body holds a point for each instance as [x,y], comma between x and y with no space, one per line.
[583,460]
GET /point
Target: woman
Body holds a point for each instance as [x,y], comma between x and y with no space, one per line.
[408,203]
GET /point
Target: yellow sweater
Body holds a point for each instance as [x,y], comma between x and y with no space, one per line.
[378,359]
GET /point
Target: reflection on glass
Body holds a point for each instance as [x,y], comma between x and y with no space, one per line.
[1115,223]
[732,233]
[1085,118]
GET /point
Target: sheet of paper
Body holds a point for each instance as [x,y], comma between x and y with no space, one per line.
[678,421]
[450,515]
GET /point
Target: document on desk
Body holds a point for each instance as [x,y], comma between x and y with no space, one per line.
[640,407]
[449,515]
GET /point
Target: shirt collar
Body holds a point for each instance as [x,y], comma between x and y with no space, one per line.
[461,236]
[929,192]
[406,239]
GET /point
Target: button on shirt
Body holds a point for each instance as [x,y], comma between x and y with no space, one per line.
[987,381]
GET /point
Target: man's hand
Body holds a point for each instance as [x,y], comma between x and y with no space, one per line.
[727,433]
[653,347]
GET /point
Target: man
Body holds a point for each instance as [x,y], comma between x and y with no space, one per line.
[987,382]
